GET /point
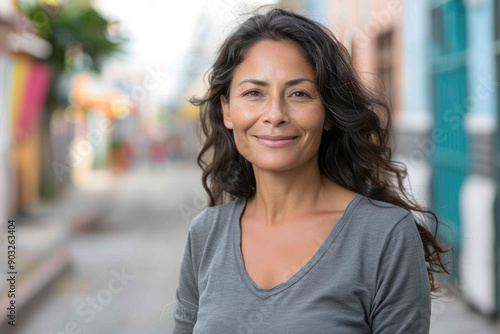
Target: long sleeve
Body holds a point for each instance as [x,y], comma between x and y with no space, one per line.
[402,302]
[186,311]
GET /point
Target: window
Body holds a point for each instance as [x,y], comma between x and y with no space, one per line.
[497,23]
[386,64]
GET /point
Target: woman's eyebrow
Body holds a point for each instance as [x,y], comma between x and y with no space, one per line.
[263,83]
[298,80]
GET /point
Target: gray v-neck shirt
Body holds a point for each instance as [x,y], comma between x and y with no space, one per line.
[368,276]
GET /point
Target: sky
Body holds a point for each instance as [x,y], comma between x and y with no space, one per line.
[160,30]
[162,33]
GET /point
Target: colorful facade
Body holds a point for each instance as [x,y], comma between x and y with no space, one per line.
[439,61]
[24,85]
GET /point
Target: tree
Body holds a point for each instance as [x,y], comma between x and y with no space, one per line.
[81,40]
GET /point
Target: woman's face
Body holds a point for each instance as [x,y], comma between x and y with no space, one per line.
[274,108]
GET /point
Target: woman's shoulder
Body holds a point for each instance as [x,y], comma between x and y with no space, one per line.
[379,217]
[377,225]
[216,219]
[379,209]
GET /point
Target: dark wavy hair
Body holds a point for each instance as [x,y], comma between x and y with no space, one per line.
[355,153]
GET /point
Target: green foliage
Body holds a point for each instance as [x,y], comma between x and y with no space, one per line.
[79,35]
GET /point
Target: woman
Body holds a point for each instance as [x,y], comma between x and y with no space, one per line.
[309,228]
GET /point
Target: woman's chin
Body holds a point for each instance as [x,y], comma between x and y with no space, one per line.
[274,166]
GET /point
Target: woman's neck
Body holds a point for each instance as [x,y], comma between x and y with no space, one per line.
[281,196]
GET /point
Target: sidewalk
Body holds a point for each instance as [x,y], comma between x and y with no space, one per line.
[42,237]
[451,315]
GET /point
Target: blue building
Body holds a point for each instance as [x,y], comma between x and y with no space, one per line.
[452,55]
[440,63]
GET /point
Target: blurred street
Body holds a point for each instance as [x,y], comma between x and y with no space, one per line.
[452,316]
[124,268]
[98,141]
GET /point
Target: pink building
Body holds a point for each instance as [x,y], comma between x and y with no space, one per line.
[371,30]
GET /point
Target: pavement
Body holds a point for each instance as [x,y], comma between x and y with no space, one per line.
[42,236]
[122,268]
[452,315]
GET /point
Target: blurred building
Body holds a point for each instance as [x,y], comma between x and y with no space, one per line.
[55,124]
[439,62]
[24,84]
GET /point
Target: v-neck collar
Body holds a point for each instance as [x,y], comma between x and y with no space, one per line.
[268,292]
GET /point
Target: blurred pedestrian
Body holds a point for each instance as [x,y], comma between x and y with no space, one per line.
[309,228]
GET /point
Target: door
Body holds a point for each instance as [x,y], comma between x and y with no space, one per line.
[449,156]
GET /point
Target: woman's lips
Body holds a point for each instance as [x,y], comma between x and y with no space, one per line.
[275,141]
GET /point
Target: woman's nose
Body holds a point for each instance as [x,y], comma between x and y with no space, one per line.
[275,112]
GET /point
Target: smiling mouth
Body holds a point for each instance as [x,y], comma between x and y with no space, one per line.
[275,141]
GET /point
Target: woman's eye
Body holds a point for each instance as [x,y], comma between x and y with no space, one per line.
[252,93]
[300,94]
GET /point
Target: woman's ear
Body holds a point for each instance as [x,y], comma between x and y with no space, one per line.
[328,124]
[228,123]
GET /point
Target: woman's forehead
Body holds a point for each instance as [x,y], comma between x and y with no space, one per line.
[274,60]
